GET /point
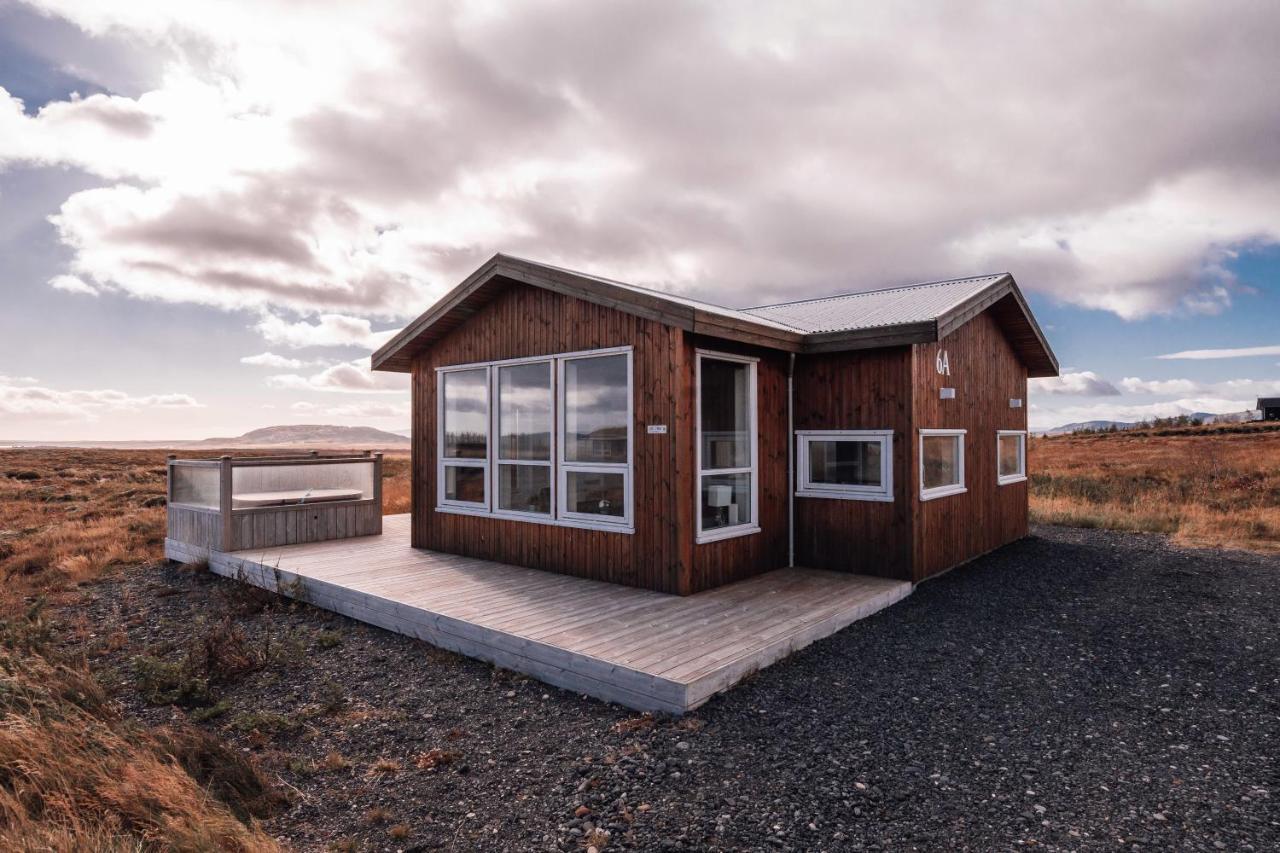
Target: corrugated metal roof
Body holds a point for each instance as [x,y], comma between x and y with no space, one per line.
[913,303]
[676,298]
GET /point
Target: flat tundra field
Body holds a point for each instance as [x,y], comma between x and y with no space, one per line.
[1081,689]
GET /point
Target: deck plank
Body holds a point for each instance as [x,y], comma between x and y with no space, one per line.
[639,648]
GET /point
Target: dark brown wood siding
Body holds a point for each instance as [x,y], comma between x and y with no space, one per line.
[869,389]
[986,374]
[528,321]
[728,560]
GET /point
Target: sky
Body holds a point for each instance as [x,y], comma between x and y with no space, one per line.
[211,214]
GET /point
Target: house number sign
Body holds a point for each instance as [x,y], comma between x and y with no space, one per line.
[943,363]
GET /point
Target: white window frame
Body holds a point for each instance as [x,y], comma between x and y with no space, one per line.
[1021,476]
[442,462]
[625,469]
[952,489]
[558,516]
[808,489]
[752,526]
[495,417]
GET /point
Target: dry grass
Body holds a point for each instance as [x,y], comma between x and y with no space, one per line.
[1204,486]
[74,775]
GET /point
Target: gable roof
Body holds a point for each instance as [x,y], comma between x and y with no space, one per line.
[895,316]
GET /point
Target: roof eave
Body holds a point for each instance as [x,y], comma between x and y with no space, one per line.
[1035,351]
[396,355]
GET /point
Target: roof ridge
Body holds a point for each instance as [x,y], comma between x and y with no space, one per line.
[666,294]
[835,296]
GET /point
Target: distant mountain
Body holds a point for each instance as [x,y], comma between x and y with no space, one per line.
[296,435]
[1083,425]
[1202,417]
[289,435]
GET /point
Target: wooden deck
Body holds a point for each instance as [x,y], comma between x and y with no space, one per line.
[642,649]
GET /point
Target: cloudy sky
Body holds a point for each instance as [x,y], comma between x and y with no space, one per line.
[211,213]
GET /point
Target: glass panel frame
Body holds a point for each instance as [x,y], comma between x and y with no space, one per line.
[749,524]
[1002,437]
[445,462]
[807,487]
[496,456]
[958,453]
[567,466]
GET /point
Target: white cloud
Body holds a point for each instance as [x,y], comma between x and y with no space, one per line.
[328,330]
[279,362]
[1134,385]
[71,284]
[1236,352]
[1084,383]
[354,412]
[350,377]
[24,397]
[358,159]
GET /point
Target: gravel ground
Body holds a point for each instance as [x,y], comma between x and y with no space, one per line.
[1077,690]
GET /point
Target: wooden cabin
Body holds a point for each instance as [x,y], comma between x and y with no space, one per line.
[1269,408]
[594,428]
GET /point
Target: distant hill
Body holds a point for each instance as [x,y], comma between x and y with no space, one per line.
[288,435]
[295,435]
[1202,417]
[1084,425]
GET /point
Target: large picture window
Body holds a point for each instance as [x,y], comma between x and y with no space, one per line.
[1011,456]
[941,463]
[848,464]
[726,446]
[546,440]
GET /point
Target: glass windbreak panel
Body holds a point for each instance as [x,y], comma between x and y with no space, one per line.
[196,485]
[726,414]
[844,463]
[524,488]
[725,500]
[941,461]
[595,493]
[279,485]
[1010,455]
[464,483]
[595,409]
[524,411]
[466,413]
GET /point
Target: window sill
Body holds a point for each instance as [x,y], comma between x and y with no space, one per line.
[843,496]
[1009,481]
[726,533]
[943,492]
[533,519]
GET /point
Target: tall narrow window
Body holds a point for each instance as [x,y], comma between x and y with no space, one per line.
[596,445]
[941,463]
[524,438]
[1011,456]
[464,437]
[726,446]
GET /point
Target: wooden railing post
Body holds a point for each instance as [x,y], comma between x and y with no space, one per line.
[225,504]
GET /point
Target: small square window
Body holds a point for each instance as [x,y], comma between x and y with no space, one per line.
[847,464]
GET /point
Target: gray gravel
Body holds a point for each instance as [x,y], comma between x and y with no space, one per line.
[1077,690]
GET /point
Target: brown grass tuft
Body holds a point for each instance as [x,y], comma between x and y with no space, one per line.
[1206,486]
[74,775]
